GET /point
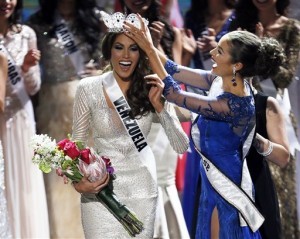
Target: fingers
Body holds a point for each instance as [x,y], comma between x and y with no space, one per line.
[35,53]
[99,185]
[157,26]
[211,31]
[188,32]
[154,80]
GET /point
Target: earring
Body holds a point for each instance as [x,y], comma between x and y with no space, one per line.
[233,77]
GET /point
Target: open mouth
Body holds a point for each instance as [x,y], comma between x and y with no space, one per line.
[5,9]
[125,65]
[214,63]
[139,3]
[261,1]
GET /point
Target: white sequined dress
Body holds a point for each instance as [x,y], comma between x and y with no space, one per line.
[134,186]
[4,225]
[25,190]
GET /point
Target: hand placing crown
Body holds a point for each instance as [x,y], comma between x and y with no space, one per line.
[114,22]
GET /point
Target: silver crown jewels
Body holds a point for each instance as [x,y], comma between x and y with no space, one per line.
[114,22]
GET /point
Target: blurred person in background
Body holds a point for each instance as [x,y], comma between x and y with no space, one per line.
[24,183]
[5,231]
[269,19]
[68,35]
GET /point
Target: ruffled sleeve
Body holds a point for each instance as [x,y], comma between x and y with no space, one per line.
[177,137]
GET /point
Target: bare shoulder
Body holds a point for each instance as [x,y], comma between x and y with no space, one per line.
[273,107]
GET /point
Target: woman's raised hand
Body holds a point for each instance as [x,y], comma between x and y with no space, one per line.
[155,93]
[32,58]
[141,36]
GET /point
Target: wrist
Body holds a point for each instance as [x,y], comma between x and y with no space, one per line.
[25,68]
[160,106]
[151,50]
[268,151]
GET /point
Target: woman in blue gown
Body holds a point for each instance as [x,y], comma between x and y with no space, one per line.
[224,128]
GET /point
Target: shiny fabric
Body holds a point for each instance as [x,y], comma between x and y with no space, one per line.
[224,121]
[4,224]
[134,185]
[24,181]
[54,113]
[169,222]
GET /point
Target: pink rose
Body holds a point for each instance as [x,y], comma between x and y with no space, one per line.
[71,150]
[85,155]
[61,144]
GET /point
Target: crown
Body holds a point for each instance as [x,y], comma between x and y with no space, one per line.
[114,22]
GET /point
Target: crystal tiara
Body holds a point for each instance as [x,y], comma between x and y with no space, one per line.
[114,22]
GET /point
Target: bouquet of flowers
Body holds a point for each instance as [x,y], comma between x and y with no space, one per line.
[72,161]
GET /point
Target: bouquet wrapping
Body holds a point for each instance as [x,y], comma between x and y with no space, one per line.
[72,161]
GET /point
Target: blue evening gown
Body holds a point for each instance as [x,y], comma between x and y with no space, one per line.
[225,121]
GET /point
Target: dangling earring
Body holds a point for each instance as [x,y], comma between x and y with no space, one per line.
[233,77]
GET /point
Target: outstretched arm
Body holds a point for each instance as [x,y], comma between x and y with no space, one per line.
[277,136]
[161,65]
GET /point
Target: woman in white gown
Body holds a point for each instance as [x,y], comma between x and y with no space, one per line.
[4,225]
[135,184]
[25,192]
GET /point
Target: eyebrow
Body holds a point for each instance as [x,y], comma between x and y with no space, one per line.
[220,48]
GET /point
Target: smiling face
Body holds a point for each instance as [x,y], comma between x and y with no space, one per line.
[124,57]
[221,57]
[138,6]
[264,4]
[7,8]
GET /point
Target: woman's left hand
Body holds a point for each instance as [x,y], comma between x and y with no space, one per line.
[155,93]
[141,36]
[32,58]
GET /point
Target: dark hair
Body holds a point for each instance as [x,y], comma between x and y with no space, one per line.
[152,14]
[137,94]
[246,14]
[86,23]
[197,14]
[261,57]
[16,18]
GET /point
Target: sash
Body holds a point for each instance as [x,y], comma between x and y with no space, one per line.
[131,125]
[269,88]
[239,197]
[17,84]
[66,38]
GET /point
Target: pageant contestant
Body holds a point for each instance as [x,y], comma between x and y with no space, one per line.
[225,126]
[109,106]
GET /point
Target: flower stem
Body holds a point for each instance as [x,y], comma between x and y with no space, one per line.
[127,218]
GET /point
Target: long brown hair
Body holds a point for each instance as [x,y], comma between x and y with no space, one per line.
[137,94]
